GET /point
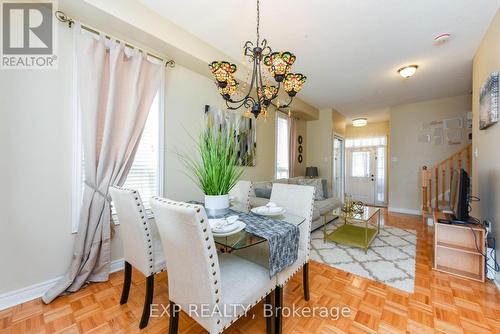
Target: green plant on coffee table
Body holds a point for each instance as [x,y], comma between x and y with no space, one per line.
[215,170]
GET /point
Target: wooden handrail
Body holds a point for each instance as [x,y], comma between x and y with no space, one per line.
[431,178]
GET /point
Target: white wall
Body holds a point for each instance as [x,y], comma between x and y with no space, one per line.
[486,166]
[36,162]
[319,142]
[408,155]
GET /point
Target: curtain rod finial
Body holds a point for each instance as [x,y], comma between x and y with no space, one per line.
[62,17]
[170,63]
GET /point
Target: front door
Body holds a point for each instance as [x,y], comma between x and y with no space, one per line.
[360,180]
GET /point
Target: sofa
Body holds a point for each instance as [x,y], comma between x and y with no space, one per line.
[323,202]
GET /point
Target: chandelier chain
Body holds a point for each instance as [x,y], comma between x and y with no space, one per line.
[258,21]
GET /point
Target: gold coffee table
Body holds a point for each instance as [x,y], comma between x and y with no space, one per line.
[355,235]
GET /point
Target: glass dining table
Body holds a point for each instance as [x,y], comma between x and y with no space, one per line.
[244,239]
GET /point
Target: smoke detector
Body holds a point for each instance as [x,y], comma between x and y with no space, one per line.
[442,38]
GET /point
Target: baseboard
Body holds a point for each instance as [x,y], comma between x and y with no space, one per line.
[116,265]
[406,211]
[16,297]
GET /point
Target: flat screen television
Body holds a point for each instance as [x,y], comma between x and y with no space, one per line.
[460,196]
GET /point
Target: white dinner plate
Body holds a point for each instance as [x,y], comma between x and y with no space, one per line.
[269,214]
[241,226]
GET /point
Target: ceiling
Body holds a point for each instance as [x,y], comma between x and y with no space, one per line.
[351,50]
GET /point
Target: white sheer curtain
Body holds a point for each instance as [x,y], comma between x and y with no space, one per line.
[116,88]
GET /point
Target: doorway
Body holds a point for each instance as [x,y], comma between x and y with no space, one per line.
[366,170]
[338,178]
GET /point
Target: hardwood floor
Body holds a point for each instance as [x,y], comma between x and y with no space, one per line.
[441,303]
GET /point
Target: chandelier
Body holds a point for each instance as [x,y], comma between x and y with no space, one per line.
[277,63]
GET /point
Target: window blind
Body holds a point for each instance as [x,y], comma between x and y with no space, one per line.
[144,172]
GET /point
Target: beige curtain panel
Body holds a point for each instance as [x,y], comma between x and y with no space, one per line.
[116,87]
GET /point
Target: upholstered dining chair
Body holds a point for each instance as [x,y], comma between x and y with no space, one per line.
[298,200]
[241,193]
[198,276]
[141,246]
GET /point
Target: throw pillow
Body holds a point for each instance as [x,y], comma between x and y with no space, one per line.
[262,189]
[318,187]
[324,182]
[263,192]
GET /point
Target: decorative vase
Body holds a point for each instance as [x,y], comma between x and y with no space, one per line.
[216,204]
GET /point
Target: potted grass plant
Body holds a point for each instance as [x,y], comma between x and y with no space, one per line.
[215,170]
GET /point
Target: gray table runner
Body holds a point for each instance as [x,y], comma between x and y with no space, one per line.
[282,237]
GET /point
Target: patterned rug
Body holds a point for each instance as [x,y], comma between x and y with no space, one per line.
[390,258]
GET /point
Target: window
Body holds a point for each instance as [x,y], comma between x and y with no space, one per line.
[365,142]
[146,172]
[380,182]
[282,142]
[360,164]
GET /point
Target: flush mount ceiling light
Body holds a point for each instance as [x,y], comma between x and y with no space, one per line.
[358,122]
[266,85]
[408,71]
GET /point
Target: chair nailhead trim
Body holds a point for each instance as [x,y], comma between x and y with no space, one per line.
[144,220]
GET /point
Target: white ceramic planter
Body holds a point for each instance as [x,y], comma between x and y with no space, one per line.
[216,203]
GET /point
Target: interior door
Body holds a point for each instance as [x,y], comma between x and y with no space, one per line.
[360,174]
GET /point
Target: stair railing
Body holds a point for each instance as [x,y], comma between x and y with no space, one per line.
[436,179]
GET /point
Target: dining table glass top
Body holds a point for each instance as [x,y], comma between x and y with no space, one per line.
[244,239]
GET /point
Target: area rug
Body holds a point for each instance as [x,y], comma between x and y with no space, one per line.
[390,258]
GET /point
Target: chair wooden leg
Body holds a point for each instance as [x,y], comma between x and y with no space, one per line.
[269,319]
[147,302]
[173,326]
[278,305]
[126,283]
[305,273]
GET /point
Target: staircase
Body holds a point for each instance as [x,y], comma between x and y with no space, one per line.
[436,180]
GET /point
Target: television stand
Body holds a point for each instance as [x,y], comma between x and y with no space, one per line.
[455,249]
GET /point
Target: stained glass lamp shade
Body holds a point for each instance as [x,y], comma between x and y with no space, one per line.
[223,72]
[293,83]
[279,64]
